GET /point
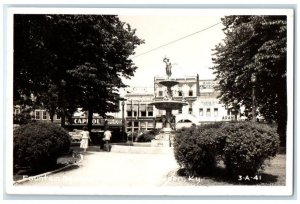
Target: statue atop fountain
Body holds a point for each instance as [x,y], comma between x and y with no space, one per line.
[168,67]
[168,104]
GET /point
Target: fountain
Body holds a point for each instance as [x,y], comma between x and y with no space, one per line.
[168,104]
[165,137]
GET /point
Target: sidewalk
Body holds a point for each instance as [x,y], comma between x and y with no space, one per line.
[108,169]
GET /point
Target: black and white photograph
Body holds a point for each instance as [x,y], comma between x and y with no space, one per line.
[150,101]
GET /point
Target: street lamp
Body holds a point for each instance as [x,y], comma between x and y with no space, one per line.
[131,110]
[253,81]
[235,108]
[123,122]
[63,84]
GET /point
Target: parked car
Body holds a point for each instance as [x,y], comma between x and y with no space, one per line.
[75,135]
[243,118]
[260,118]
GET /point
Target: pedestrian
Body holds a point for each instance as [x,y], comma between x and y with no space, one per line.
[107,136]
[85,139]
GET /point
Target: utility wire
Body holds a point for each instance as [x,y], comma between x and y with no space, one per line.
[176,40]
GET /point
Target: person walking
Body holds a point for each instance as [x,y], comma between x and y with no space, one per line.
[85,139]
[107,136]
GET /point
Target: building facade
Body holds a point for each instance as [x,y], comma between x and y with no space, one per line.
[202,98]
[137,115]
[138,112]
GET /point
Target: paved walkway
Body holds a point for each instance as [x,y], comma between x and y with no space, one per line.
[108,169]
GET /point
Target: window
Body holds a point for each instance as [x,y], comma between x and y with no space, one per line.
[208,112]
[134,113]
[129,124]
[143,124]
[150,113]
[136,124]
[44,113]
[180,111]
[201,111]
[150,125]
[190,92]
[58,117]
[150,108]
[17,111]
[128,107]
[215,112]
[179,93]
[143,113]
[129,113]
[190,110]
[160,93]
[37,115]
[142,107]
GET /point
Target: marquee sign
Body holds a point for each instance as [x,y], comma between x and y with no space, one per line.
[208,84]
[209,103]
[98,121]
[228,118]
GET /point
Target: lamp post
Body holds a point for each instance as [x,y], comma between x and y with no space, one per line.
[63,116]
[235,107]
[253,81]
[131,121]
[138,118]
[123,122]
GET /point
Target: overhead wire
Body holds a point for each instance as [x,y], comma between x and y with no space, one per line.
[174,41]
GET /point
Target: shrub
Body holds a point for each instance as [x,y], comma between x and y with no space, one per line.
[148,136]
[247,146]
[196,148]
[38,145]
[116,137]
[243,147]
[23,118]
[132,136]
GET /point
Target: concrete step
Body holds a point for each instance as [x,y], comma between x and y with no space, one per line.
[141,149]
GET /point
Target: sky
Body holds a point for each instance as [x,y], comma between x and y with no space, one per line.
[189,56]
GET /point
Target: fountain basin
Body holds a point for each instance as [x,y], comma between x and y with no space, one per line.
[169,83]
[174,105]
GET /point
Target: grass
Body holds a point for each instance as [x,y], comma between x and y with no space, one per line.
[273,175]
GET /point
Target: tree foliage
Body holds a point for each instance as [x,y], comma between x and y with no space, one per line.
[69,61]
[254,45]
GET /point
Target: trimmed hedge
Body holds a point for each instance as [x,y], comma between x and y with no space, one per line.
[243,147]
[247,146]
[196,149]
[38,145]
[148,136]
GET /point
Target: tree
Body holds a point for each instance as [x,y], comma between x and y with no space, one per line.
[38,65]
[254,45]
[70,61]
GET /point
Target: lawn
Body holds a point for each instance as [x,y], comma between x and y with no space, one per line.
[274,174]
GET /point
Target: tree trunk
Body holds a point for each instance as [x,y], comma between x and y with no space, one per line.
[282,112]
[90,119]
[51,116]
[63,118]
